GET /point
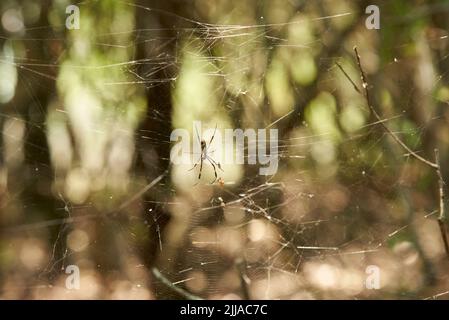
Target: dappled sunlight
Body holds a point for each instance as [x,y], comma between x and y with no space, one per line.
[223,150]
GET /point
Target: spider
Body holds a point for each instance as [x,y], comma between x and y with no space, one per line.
[205,156]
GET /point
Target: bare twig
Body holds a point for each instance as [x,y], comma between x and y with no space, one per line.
[434,165]
[387,129]
[440,185]
[442,216]
[185,294]
[349,78]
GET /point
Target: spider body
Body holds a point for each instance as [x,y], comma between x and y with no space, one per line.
[203,145]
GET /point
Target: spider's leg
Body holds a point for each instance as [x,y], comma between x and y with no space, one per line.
[215,170]
[194,166]
[198,135]
[213,136]
[199,141]
[218,164]
[201,168]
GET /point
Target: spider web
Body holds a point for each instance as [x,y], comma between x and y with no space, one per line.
[342,199]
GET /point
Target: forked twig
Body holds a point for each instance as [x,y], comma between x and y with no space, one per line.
[434,165]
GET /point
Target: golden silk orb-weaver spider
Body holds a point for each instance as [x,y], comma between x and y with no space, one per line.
[206,157]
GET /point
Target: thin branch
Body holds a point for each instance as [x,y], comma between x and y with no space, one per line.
[387,129]
[434,165]
[349,78]
[185,294]
[441,186]
[442,216]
